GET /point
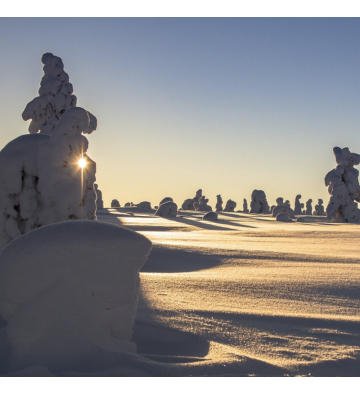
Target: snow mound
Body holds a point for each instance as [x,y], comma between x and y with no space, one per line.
[167,209]
[55,97]
[210,216]
[283,217]
[65,303]
[245,206]
[41,180]
[283,209]
[144,205]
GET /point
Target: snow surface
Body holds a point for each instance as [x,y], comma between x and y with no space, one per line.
[67,305]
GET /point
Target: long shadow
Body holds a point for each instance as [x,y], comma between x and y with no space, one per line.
[198,224]
[236,224]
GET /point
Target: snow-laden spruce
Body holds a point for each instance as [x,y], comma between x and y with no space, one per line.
[68,293]
[230,206]
[41,180]
[343,186]
[202,205]
[309,207]
[319,208]
[115,203]
[259,204]
[55,97]
[245,206]
[219,203]
[298,206]
[99,201]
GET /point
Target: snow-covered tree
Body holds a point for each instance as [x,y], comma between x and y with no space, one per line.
[219,203]
[245,206]
[259,204]
[298,206]
[115,203]
[99,201]
[230,206]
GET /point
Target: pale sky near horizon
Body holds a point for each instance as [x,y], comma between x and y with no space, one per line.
[227,105]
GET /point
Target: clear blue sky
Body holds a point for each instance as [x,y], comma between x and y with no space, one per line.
[226,105]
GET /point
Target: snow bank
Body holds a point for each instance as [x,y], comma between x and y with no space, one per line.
[65,303]
[167,209]
[219,203]
[40,179]
[283,209]
[343,186]
[309,207]
[283,217]
[202,205]
[99,201]
[55,97]
[298,206]
[115,203]
[259,204]
[230,206]
[210,216]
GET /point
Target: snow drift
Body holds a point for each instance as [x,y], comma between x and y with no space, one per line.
[67,305]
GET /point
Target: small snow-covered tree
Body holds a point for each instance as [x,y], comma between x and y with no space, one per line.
[298,205]
[245,206]
[115,203]
[219,203]
[99,200]
[55,97]
[259,204]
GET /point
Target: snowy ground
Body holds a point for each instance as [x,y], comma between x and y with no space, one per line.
[244,296]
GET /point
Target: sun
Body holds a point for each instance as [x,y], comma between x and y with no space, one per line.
[82,162]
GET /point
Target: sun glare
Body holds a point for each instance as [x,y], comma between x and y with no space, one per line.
[82,163]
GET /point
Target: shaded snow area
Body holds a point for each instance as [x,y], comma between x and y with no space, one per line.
[68,297]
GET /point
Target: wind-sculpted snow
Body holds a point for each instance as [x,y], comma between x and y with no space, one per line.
[202,205]
[55,97]
[41,181]
[259,204]
[99,201]
[69,304]
[230,206]
[344,189]
[167,209]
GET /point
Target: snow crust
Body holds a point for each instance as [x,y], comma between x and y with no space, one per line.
[55,97]
[167,209]
[40,179]
[259,204]
[68,303]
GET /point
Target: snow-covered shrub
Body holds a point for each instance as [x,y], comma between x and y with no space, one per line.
[167,209]
[343,186]
[283,209]
[166,199]
[71,303]
[298,206]
[202,205]
[319,208]
[115,203]
[283,217]
[219,203]
[188,204]
[144,205]
[55,97]
[259,204]
[99,201]
[41,181]
[210,216]
[245,206]
[309,207]
[230,206]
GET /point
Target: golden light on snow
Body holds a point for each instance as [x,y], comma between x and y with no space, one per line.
[82,162]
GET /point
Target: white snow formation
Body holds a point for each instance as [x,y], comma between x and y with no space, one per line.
[343,187]
[308,207]
[259,204]
[71,303]
[55,97]
[219,203]
[210,216]
[115,203]
[319,208]
[41,181]
[202,205]
[230,206]
[245,206]
[298,206]
[167,209]
[283,209]
[166,199]
[99,201]
[283,217]
[188,204]
[144,205]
